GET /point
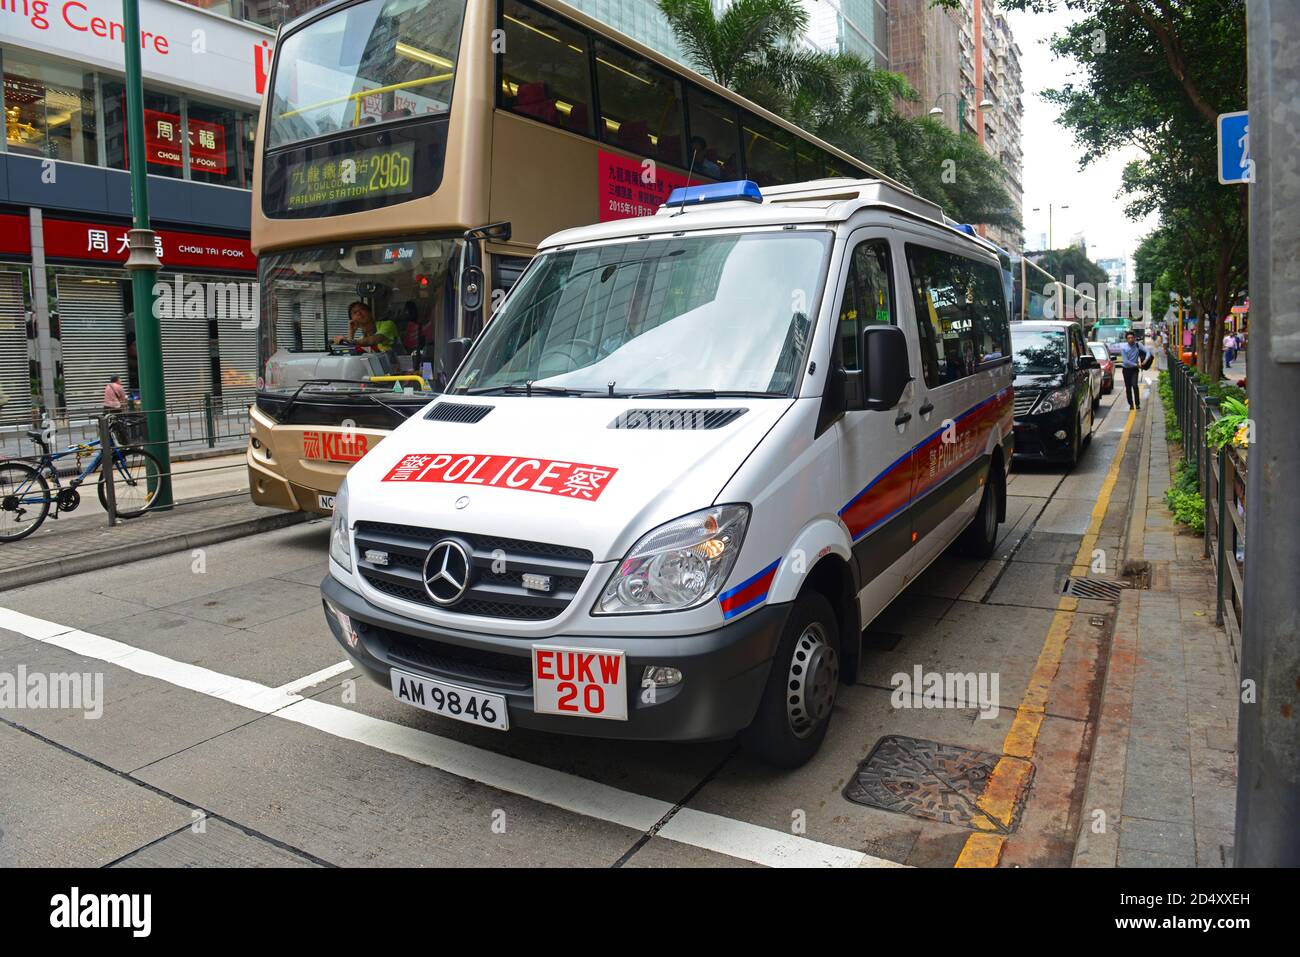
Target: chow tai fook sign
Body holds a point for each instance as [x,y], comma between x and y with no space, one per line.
[69,239]
[180,44]
[630,187]
[162,142]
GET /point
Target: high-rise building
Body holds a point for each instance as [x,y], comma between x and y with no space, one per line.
[923,46]
[990,72]
[639,19]
[850,26]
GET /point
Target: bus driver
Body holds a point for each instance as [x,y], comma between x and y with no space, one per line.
[364,331]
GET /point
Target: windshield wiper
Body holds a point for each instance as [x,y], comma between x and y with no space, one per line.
[526,389]
[698,394]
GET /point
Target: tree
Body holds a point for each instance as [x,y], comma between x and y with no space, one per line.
[754,48]
[1156,75]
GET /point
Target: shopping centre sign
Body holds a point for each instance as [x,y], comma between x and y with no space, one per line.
[179,44]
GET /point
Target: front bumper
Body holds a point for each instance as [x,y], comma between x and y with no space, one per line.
[1036,434]
[724,670]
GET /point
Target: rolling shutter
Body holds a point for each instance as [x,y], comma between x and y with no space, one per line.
[93,332]
[236,345]
[15,374]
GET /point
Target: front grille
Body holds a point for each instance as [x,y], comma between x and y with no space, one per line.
[1025,400]
[496,588]
[455,661]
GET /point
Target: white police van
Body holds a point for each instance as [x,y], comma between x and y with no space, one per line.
[689,460]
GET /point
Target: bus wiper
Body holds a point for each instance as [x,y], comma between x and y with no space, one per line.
[698,394]
[526,389]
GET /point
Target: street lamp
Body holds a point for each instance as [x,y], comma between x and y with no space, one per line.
[984,106]
[1050,207]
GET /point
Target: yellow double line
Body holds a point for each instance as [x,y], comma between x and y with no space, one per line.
[1011,773]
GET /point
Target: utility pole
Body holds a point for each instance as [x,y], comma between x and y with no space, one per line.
[1268,735]
[142,263]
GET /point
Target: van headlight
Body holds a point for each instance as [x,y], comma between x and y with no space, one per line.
[1055,399]
[340,546]
[680,565]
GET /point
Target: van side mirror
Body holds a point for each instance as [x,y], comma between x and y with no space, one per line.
[1087,362]
[885,369]
[455,353]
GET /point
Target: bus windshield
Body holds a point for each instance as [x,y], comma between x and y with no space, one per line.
[721,313]
[375,62]
[393,305]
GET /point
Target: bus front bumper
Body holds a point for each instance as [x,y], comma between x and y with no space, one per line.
[724,671]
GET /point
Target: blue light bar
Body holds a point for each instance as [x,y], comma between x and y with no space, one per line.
[967,228]
[741,189]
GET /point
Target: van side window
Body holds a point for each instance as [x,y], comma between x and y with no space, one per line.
[961,313]
[868,296]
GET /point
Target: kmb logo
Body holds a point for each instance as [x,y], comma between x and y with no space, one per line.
[334,446]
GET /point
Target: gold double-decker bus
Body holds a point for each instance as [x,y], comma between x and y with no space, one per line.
[411,154]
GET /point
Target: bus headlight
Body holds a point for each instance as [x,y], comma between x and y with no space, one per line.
[680,565]
[340,545]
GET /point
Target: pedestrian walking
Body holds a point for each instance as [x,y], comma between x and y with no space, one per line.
[1229,349]
[1131,356]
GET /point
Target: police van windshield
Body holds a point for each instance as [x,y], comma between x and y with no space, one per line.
[719,313]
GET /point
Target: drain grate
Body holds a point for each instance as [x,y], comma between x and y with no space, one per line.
[940,782]
[1102,589]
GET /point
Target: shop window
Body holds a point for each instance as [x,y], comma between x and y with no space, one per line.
[218,149]
[545,74]
[163,130]
[49,111]
[640,106]
[714,147]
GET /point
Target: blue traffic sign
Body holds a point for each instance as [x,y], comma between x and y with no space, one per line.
[1235,163]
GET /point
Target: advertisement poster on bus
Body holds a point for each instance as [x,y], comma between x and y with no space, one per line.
[631,187]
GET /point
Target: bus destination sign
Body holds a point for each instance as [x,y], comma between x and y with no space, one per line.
[385,171]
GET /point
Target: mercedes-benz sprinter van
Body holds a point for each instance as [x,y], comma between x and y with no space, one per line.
[689,460]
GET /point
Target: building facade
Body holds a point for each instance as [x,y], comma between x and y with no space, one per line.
[924,47]
[66,311]
[850,26]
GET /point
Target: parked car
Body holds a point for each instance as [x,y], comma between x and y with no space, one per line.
[1107,365]
[1054,412]
[598,529]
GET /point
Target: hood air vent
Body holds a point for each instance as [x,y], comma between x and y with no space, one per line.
[458,412]
[686,420]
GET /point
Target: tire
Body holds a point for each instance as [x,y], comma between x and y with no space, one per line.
[19,483]
[787,730]
[131,491]
[981,536]
[1076,445]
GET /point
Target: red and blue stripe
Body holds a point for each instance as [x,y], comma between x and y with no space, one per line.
[752,591]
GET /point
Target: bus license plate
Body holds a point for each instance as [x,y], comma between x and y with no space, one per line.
[450,701]
[326,502]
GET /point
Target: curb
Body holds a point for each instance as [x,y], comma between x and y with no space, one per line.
[138,551]
[1104,786]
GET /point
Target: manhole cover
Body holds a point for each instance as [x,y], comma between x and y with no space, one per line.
[942,782]
[1102,589]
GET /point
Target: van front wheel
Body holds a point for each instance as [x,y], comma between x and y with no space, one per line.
[796,708]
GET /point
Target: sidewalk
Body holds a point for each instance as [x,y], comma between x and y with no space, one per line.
[1164,764]
[81,543]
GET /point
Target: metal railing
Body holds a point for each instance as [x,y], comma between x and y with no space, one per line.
[195,430]
[1222,478]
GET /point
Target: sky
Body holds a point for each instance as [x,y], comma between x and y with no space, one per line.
[1051,172]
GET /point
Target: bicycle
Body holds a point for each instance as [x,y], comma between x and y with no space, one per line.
[25,493]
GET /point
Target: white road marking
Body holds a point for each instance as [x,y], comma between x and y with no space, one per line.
[315,678]
[569,792]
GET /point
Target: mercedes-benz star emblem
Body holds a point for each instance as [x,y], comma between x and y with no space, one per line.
[462,501]
[446,572]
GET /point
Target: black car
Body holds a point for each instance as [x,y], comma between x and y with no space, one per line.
[1053,406]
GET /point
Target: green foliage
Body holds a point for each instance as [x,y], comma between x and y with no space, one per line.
[1165,386]
[1184,498]
[1071,262]
[750,47]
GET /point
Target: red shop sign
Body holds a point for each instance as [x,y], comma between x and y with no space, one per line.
[630,187]
[15,235]
[162,140]
[68,239]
